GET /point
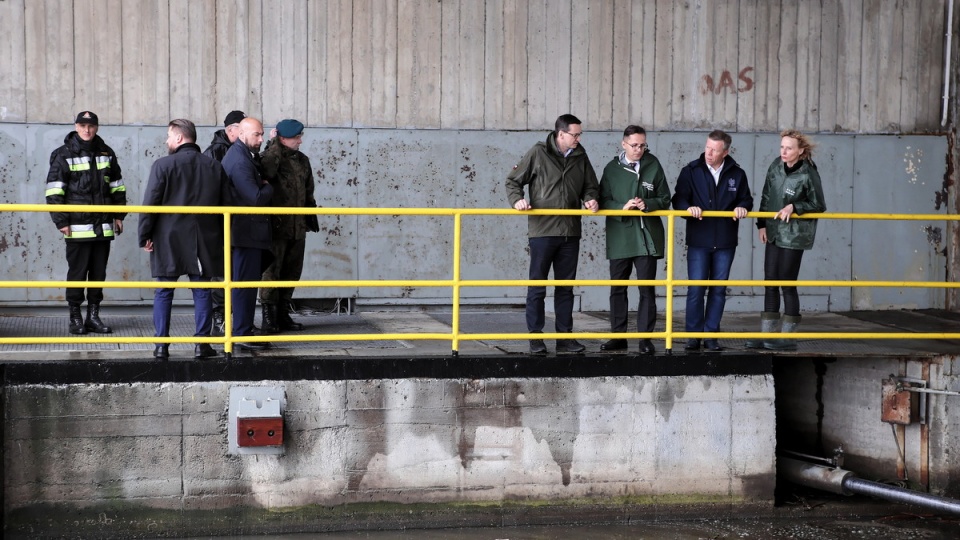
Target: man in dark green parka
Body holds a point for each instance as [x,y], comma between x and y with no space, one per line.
[289,171]
[557,174]
[634,180]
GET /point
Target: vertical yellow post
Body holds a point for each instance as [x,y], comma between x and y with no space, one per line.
[455,317]
[227,282]
[669,311]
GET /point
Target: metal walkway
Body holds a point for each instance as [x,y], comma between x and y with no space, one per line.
[138,322]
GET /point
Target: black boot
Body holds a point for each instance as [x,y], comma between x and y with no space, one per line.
[268,323]
[216,329]
[76,320]
[286,322]
[93,322]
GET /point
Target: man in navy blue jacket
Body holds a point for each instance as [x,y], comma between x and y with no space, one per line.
[250,234]
[714,181]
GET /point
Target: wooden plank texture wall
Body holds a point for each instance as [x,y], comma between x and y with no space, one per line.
[867,66]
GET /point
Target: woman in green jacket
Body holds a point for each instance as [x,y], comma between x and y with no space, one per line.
[792,187]
[634,180]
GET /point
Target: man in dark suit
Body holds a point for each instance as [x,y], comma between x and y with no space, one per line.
[251,234]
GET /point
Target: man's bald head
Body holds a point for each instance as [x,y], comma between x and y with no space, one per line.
[251,133]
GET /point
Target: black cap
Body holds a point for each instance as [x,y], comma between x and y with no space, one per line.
[87,117]
[234,117]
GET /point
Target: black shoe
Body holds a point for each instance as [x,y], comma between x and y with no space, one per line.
[254,346]
[204,350]
[287,324]
[76,320]
[216,329]
[614,345]
[538,347]
[712,345]
[268,320]
[569,346]
[161,351]
[692,345]
[93,322]
[646,347]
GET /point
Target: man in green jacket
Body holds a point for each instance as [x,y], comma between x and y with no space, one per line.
[633,180]
[559,175]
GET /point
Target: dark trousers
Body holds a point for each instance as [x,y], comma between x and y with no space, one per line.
[163,304]
[707,263]
[287,265]
[647,307]
[562,253]
[216,295]
[781,264]
[87,261]
[246,267]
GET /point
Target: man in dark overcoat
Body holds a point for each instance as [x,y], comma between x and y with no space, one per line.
[184,244]
[250,234]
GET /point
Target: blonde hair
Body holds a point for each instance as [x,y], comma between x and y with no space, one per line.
[803,142]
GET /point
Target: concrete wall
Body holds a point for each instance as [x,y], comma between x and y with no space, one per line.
[850,66]
[466,169]
[849,401]
[120,459]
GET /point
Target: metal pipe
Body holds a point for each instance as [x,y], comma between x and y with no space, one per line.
[930,391]
[901,495]
[845,482]
[946,64]
[813,475]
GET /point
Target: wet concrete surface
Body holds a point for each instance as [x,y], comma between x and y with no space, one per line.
[802,518]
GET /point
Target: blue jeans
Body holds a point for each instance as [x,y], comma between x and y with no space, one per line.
[163,304]
[562,253]
[707,263]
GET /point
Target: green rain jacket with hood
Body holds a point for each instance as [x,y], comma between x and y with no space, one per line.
[802,189]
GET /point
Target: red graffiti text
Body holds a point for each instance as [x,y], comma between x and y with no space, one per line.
[726,83]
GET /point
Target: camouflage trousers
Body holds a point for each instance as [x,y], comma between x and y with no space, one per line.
[287,266]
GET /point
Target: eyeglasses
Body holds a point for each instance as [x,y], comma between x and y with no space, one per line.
[574,135]
[641,146]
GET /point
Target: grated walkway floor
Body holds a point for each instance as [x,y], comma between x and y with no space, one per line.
[138,322]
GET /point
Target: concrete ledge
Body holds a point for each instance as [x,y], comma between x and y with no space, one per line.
[123,458]
[358,368]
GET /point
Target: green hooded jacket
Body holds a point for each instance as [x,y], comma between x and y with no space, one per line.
[802,189]
[629,236]
[290,174]
[554,182]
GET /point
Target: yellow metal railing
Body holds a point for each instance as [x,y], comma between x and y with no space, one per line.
[456,283]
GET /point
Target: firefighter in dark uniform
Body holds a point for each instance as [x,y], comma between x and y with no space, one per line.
[85,171]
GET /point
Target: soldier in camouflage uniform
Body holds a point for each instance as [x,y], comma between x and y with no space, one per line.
[289,171]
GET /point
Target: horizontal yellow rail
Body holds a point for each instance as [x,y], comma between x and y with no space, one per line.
[456,283]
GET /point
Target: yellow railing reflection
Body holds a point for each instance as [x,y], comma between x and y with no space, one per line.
[455,336]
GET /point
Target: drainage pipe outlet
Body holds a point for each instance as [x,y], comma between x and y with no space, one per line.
[844,482]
